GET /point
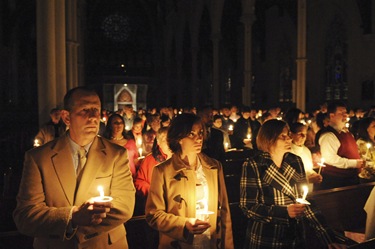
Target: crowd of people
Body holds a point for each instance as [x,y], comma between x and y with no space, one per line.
[167,163]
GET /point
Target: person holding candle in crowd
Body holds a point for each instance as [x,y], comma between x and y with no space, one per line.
[160,152]
[184,185]
[218,140]
[54,202]
[242,132]
[270,185]
[299,134]
[366,142]
[339,149]
[54,128]
[153,122]
[228,123]
[116,133]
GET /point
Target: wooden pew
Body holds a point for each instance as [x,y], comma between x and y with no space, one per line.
[343,211]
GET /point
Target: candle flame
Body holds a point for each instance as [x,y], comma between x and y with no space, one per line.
[368,145]
[305,191]
[139,141]
[101,191]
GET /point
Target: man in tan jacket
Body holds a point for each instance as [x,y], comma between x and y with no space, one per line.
[54,202]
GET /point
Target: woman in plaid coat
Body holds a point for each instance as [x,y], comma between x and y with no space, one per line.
[270,184]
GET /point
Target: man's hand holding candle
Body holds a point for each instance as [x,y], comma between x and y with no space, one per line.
[90,213]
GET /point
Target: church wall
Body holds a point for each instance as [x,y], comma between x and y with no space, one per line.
[360,50]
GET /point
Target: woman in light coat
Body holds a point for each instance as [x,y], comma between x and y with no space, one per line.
[185,186]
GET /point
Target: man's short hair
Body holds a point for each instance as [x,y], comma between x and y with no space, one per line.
[332,107]
[68,98]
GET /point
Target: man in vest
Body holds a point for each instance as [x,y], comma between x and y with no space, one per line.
[339,149]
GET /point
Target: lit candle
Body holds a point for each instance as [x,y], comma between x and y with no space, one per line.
[36,143]
[101,198]
[127,128]
[140,152]
[101,191]
[305,191]
[230,128]
[235,120]
[368,145]
[321,164]
[139,141]
[248,136]
[304,194]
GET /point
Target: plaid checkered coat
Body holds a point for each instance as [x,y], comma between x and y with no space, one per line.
[266,191]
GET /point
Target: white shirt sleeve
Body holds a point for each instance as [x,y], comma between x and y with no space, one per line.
[329,145]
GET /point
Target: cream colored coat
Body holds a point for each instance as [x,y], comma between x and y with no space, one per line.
[172,199]
[48,191]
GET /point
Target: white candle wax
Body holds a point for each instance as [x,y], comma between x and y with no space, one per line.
[321,164]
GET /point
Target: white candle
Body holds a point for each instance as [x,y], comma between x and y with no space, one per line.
[230,128]
[139,141]
[321,164]
[248,136]
[305,191]
[140,151]
[101,191]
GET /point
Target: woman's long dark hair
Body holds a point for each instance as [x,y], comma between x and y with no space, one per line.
[108,128]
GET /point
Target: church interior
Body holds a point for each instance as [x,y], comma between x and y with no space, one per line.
[260,53]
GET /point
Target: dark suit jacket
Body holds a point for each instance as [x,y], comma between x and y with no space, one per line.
[48,191]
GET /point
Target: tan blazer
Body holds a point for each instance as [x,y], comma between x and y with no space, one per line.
[172,200]
[48,191]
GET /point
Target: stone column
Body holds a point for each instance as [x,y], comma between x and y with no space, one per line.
[72,44]
[46,57]
[301,56]
[60,52]
[248,18]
